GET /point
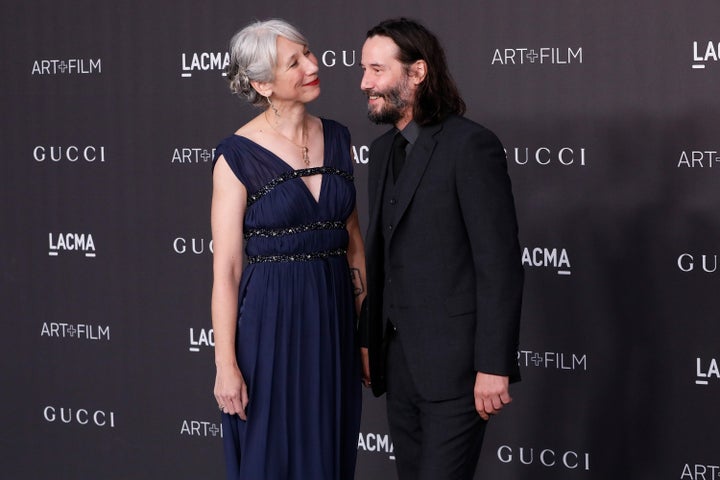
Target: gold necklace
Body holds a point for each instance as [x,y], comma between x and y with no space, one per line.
[304,148]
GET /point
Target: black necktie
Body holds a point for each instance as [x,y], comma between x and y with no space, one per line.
[398,155]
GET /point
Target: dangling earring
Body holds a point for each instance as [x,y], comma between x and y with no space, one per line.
[274,108]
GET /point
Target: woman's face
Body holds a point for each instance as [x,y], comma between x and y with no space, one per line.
[296,73]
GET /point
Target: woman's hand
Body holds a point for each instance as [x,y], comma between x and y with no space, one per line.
[231,391]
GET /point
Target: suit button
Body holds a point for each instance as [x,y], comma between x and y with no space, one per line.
[393,201]
[390,227]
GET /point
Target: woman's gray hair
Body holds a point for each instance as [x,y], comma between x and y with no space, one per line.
[253,56]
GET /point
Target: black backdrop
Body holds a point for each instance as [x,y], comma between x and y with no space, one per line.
[609,112]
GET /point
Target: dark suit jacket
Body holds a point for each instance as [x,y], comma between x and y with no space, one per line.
[455,262]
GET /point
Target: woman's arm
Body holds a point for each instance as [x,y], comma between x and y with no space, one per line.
[229,198]
[356,260]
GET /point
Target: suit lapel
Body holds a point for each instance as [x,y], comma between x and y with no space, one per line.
[415,167]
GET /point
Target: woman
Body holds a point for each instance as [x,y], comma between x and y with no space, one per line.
[288,375]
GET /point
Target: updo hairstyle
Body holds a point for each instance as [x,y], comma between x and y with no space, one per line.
[253,56]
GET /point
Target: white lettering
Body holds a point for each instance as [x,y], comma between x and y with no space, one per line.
[205,61]
[547,457]
[71,153]
[685,262]
[713,371]
[696,56]
[537,156]
[710,52]
[577,54]
[504,454]
[497,58]
[361,154]
[49,414]
[205,338]
[706,264]
[545,462]
[180,245]
[546,55]
[72,65]
[81,416]
[565,460]
[373,442]
[328,58]
[545,156]
[185,429]
[197,245]
[700,472]
[544,257]
[697,159]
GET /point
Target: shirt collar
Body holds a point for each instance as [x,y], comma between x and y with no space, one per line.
[411,132]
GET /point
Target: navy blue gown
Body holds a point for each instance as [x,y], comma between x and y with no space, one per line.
[295,339]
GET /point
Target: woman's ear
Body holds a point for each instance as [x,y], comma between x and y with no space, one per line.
[263,88]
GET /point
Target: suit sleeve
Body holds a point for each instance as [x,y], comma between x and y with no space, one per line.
[372,303]
[488,211]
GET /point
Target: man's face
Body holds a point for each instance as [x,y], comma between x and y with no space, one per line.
[386,83]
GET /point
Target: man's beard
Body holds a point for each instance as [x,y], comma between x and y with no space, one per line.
[394,106]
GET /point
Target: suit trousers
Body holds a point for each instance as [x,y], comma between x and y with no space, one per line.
[432,440]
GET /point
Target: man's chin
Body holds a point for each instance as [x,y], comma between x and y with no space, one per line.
[382,118]
[374,118]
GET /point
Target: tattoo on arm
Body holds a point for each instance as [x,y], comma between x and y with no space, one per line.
[356,281]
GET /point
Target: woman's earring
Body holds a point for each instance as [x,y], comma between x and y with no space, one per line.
[274,108]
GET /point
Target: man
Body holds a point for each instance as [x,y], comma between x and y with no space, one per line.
[441,318]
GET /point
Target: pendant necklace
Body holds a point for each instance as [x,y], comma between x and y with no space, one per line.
[304,148]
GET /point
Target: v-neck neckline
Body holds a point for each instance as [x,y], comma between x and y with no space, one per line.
[290,168]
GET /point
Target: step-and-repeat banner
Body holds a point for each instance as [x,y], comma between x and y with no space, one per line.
[610,116]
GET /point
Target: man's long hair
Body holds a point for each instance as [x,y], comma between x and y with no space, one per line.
[437,96]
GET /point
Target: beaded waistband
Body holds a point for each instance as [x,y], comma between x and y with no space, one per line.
[298,257]
[279,232]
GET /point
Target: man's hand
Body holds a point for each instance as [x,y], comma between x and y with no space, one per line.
[365,357]
[491,394]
